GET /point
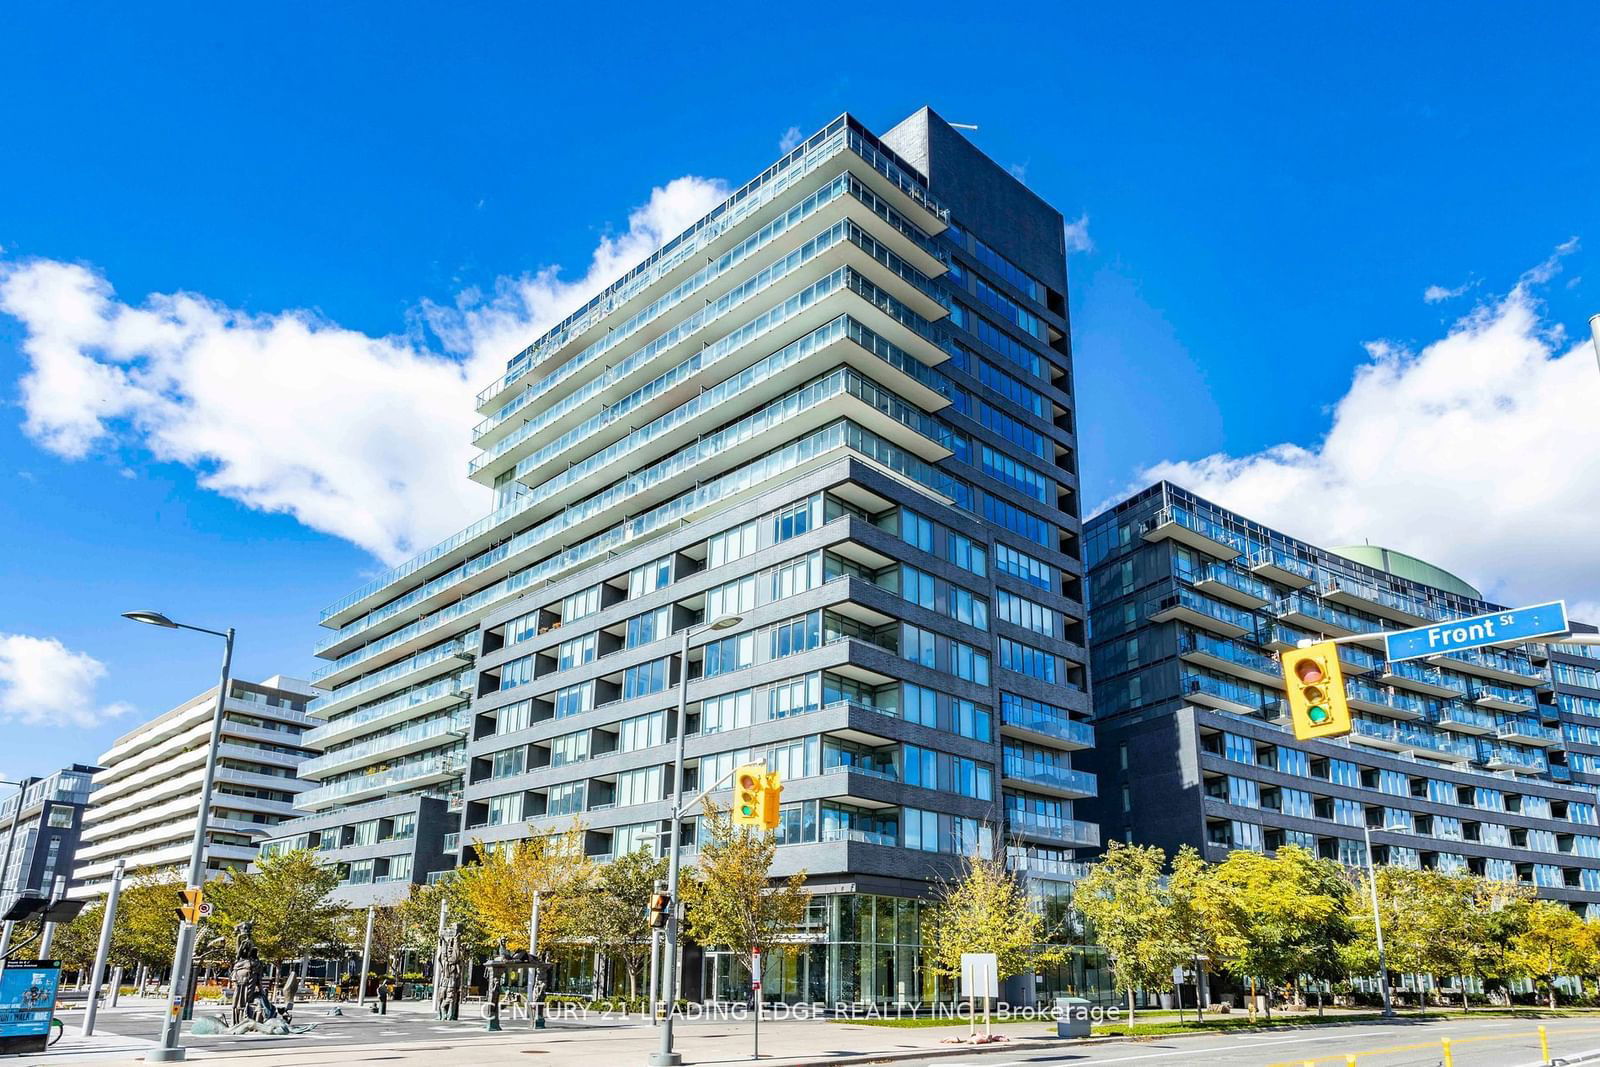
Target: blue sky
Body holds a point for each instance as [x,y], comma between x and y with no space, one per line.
[1268,190]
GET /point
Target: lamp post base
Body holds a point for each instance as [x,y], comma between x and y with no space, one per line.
[665,1059]
[165,1055]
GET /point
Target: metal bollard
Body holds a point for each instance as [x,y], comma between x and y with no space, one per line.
[1449,1060]
[1544,1046]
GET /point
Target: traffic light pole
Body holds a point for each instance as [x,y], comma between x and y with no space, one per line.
[169,1051]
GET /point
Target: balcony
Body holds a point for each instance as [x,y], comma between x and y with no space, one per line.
[1377,734]
[1384,700]
[1053,828]
[1185,605]
[859,837]
[388,746]
[429,771]
[1281,638]
[1465,719]
[1421,738]
[1496,757]
[1424,679]
[1223,695]
[1047,777]
[1528,732]
[1067,733]
[1187,528]
[391,679]
[408,705]
[1280,567]
[1507,668]
[1223,582]
[1229,657]
[1503,698]
[452,842]
[1303,609]
[1047,868]
[1352,593]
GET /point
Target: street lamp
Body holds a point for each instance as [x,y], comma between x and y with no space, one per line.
[1377,921]
[665,1057]
[169,1051]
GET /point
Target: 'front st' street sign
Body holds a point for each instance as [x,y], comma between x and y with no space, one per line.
[1495,628]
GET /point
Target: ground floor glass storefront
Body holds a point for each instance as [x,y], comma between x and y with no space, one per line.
[867,949]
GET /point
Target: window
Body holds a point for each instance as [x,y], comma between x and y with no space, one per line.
[916,530]
[966,553]
[727,712]
[731,545]
[642,731]
[569,748]
[733,598]
[512,717]
[576,652]
[1019,564]
[968,607]
[651,626]
[968,663]
[644,679]
[917,645]
[919,704]
[516,672]
[1003,468]
[1019,611]
[1008,515]
[574,700]
[565,799]
[639,786]
[579,604]
[1033,662]
[60,816]
[972,720]
[654,575]
[509,761]
[506,809]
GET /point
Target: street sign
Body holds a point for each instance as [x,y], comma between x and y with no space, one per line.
[1495,628]
[980,974]
[205,908]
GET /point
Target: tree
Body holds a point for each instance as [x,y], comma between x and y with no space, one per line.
[1550,945]
[1122,896]
[147,922]
[616,921]
[1273,914]
[287,899]
[729,898]
[498,890]
[986,910]
[77,942]
[1192,936]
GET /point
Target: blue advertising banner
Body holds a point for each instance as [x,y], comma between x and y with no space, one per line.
[28,997]
[1496,628]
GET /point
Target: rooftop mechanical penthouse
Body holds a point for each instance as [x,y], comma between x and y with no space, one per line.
[839,407]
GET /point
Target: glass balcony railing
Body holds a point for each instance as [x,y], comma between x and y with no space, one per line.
[1358,689]
[428,657]
[1233,692]
[1455,713]
[376,747]
[1518,728]
[1067,831]
[887,772]
[1386,597]
[1312,607]
[1071,730]
[859,837]
[1199,524]
[1245,583]
[452,841]
[395,777]
[1419,736]
[1483,691]
[1495,659]
[1047,867]
[393,708]
[1232,651]
[1512,756]
[1183,596]
[1417,672]
[1271,557]
[1048,774]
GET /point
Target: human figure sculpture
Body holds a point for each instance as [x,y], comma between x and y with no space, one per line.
[249,994]
[447,961]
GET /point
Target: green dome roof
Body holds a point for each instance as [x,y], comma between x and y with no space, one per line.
[1403,566]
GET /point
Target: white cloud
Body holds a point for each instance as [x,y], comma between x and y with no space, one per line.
[366,438]
[1078,236]
[1480,453]
[790,140]
[44,683]
[1438,294]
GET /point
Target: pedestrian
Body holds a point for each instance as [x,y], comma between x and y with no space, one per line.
[383,996]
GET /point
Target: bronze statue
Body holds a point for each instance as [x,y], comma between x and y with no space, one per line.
[249,993]
[447,966]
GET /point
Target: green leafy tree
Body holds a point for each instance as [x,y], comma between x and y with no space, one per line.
[986,910]
[77,942]
[1125,900]
[1551,944]
[1193,937]
[147,922]
[497,891]
[729,895]
[286,898]
[1272,914]
[616,920]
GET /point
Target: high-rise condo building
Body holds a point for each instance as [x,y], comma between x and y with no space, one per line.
[39,827]
[147,794]
[1467,762]
[838,409]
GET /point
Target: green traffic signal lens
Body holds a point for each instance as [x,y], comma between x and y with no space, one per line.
[1317,714]
[747,810]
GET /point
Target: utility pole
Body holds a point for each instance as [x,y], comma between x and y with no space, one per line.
[49,936]
[366,958]
[107,924]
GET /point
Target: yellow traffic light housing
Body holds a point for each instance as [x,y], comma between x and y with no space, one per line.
[660,906]
[749,787]
[771,794]
[1315,685]
[188,908]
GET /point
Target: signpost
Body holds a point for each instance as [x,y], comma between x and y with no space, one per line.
[755,985]
[27,1002]
[980,977]
[1495,628]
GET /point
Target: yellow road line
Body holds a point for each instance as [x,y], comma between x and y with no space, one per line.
[1344,1057]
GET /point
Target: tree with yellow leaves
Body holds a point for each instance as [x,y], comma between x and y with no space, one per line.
[986,910]
[498,889]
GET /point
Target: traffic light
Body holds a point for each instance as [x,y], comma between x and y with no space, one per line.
[1315,685]
[749,791]
[771,791]
[660,905]
[189,902]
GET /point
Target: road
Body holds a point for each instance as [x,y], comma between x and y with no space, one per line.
[410,1036]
